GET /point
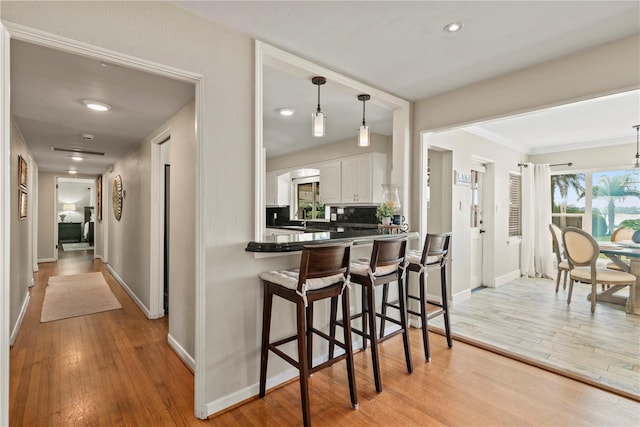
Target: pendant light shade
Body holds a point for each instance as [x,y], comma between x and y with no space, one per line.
[318,119]
[363,133]
[636,161]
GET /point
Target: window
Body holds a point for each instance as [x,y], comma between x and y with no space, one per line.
[568,200]
[515,205]
[307,196]
[595,201]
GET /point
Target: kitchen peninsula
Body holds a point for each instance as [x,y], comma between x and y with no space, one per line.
[296,241]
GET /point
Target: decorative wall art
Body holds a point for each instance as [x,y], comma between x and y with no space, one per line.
[99,199]
[22,172]
[22,204]
[116,196]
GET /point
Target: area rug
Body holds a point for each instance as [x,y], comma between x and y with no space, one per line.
[69,247]
[77,295]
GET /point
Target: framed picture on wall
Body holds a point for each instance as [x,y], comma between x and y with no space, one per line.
[22,172]
[99,199]
[22,204]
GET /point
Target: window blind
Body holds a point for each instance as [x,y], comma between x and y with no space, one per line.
[515,205]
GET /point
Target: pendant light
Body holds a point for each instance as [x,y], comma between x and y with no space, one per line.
[318,118]
[636,161]
[363,134]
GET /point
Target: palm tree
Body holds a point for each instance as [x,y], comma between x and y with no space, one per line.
[614,188]
[564,182]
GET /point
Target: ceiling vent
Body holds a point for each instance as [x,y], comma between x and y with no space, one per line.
[77,151]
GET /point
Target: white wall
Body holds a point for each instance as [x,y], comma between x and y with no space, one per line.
[611,157]
[80,194]
[21,255]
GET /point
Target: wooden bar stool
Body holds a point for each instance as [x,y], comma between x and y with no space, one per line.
[323,273]
[385,266]
[433,256]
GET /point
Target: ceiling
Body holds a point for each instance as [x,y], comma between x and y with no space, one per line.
[47,92]
[396,46]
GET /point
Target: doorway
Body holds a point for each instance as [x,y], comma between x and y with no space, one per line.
[74,210]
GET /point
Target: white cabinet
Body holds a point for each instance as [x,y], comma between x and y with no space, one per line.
[362,178]
[330,182]
[278,189]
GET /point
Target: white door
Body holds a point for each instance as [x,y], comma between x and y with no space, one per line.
[476,229]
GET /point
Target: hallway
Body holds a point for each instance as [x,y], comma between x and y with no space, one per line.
[109,368]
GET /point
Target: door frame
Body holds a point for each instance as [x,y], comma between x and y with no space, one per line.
[10,31]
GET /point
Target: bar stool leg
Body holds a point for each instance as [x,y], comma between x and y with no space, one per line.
[371,303]
[303,364]
[365,313]
[405,328]
[266,328]
[332,321]
[445,305]
[309,328]
[424,319]
[348,346]
[385,296]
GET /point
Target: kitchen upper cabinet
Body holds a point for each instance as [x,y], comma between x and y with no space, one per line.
[330,182]
[362,178]
[278,189]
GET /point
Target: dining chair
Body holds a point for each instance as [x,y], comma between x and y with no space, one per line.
[619,234]
[582,253]
[323,273]
[562,265]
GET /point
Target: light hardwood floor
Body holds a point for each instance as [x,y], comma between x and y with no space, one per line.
[527,317]
[115,368]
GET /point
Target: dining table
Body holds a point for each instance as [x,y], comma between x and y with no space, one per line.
[616,251]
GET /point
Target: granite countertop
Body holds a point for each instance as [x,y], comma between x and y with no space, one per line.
[295,242]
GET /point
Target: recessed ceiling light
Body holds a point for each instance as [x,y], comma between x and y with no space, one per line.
[286,111]
[72,172]
[77,158]
[96,106]
[453,27]
[87,136]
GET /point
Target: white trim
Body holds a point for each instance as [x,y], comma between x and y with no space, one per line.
[506,278]
[46,260]
[461,296]
[128,290]
[5,221]
[156,225]
[181,352]
[23,311]
[291,64]
[200,405]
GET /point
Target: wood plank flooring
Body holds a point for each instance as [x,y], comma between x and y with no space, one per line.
[115,368]
[527,317]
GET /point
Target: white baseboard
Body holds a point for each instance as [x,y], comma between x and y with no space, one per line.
[182,353]
[23,311]
[33,282]
[97,257]
[46,260]
[254,389]
[128,290]
[461,296]
[506,278]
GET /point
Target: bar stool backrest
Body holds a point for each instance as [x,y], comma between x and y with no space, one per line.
[438,245]
[388,253]
[321,265]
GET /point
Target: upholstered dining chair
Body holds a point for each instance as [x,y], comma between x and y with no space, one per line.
[619,234]
[582,253]
[323,273]
[562,265]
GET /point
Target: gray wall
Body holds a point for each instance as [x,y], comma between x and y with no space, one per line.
[21,255]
